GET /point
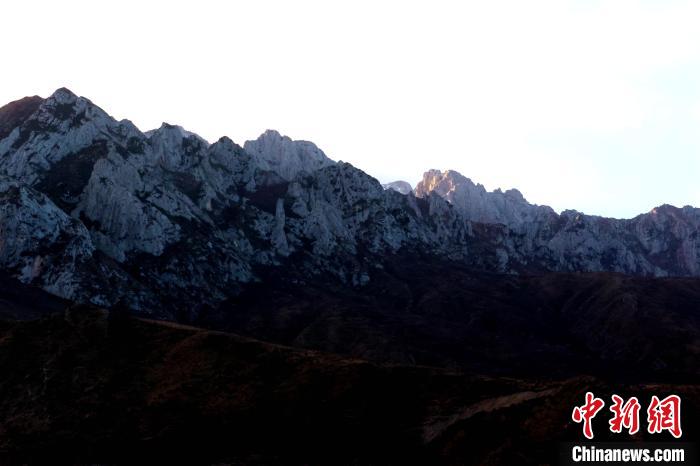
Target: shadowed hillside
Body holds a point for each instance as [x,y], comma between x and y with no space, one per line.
[419,310]
[89,387]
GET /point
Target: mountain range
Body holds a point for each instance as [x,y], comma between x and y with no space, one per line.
[97,211]
[171,294]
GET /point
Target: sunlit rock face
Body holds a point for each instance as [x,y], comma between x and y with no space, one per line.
[661,243]
[96,210]
[474,202]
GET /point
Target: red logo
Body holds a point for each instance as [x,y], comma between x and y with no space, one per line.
[587,412]
[624,415]
[665,415]
[661,415]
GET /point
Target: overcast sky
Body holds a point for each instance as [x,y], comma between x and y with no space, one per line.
[589,105]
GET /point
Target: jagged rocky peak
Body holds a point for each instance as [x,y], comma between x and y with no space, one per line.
[39,243]
[668,210]
[15,113]
[227,143]
[61,125]
[285,156]
[226,153]
[509,208]
[64,95]
[61,111]
[174,147]
[515,195]
[175,131]
[167,211]
[445,182]
[64,105]
[403,187]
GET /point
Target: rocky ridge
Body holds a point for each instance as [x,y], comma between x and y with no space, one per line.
[95,210]
[403,187]
[173,221]
[663,242]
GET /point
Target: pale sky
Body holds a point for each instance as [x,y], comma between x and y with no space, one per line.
[590,105]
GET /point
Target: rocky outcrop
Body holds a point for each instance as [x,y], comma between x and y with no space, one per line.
[285,157]
[478,205]
[63,125]
[183,223]
[41,243]
[403,187]
[164,220]
[175,148]
[663,242]
[13,114]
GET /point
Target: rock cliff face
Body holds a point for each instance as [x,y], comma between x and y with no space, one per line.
[475,203]
[97,211]
[14,113]
[39,242]
[662,242]
[285,157]
[176,223]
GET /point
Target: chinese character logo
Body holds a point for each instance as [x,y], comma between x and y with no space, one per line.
[665,415]
[624,415]
[587,412]
[662,415]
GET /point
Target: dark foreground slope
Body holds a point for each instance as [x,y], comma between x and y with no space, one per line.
[511,356]
[24,302]
[419,310]
[89,387]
